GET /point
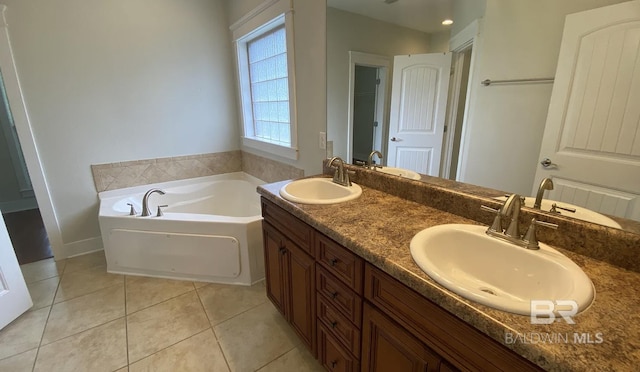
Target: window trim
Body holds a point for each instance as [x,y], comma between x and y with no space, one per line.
[265,18]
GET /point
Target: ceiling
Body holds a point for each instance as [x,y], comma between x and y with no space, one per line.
[422,15]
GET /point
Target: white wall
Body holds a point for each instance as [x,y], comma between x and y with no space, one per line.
[310,58]
[518,39]
[120,80]
[348,31]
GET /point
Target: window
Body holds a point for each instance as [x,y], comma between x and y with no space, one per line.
[266,80]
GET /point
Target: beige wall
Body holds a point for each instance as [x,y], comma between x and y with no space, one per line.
[120,80]
[518,39]
[348,31]
[310,58]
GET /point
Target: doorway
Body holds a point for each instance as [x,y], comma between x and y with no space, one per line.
[368,105]
[17,200]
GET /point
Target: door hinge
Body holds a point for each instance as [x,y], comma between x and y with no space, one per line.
[377,81]
[375,124]
[445,128]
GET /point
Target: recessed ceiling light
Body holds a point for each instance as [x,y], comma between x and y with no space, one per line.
[447,22]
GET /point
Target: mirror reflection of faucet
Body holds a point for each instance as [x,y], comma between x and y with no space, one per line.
[370,164]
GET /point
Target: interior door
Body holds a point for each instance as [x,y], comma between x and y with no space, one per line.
[14,296]
[592,133]
[418,104]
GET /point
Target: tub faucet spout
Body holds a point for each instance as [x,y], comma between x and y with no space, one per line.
[145,201]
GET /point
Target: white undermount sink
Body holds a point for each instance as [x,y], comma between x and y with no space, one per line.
[496,273]
[580,213]
[319,191]
[406,173]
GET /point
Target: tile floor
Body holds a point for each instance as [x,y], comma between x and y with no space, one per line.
[85,319]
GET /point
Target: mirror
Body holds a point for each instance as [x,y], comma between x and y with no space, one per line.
[495,132]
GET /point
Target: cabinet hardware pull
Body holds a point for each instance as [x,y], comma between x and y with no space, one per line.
[334,295]
[282,250]
[334,261]
[333,364]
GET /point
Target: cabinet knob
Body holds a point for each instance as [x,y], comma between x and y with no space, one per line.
[333,262]
[334,363]
[334,324]
[282,250]
[334,295]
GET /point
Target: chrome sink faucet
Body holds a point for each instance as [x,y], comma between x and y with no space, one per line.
[341,176]
[370,164]
[546,184]
[511,208]
[145,201]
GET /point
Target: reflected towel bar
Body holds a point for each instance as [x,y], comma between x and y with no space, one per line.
[487,82]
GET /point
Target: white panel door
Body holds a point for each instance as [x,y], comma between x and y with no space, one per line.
[418,105]
[14,296]
[592,134]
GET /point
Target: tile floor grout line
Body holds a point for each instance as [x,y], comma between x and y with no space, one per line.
[276,358]
[46,323]
[166,347]
[88,329]
[126,322]
[163,301]
[82,295]
[238,314]
[224,356]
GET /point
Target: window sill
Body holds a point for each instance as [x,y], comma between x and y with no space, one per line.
[272,148]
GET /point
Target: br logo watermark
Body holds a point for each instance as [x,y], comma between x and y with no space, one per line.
[546,311]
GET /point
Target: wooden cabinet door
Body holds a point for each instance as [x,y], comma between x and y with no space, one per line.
[388,347]
[274,258]
[301,285]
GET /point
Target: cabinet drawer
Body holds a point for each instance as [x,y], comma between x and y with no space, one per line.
[343,264]
[339,326]
[297,231]
[339,295]
[461,344]
[332,355]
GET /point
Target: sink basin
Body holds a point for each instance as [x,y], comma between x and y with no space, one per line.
[496,273]
[581,213]
[319,191]
[406,173]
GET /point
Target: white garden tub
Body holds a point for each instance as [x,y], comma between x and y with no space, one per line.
[211,230]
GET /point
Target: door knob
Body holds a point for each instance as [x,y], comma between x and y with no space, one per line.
[394,139]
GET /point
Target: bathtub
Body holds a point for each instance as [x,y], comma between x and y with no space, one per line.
[211,230]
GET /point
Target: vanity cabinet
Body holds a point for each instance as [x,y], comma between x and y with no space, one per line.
[290,274]
[354,316]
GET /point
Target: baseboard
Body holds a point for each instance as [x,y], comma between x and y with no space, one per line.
[18,205]
[80,247]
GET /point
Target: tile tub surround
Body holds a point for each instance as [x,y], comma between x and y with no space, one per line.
[114,176]
[615,313]
[615,246]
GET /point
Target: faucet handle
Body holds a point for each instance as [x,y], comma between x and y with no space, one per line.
[496,226]
[159,213]
[530,239]
[132,211]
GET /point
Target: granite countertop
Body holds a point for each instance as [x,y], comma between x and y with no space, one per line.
[379,226]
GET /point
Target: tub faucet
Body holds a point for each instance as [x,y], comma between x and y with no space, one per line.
[546,184]
[145,201]
[370,163]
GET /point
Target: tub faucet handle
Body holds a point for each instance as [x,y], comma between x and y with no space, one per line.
[132,211]
[160,214]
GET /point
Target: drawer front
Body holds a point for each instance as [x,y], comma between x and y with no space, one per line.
[332,355]
[462,345]
[343,264]
[339,326]
[339,295]
[297,231]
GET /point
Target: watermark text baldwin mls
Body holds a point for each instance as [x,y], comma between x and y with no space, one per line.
[553,338]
